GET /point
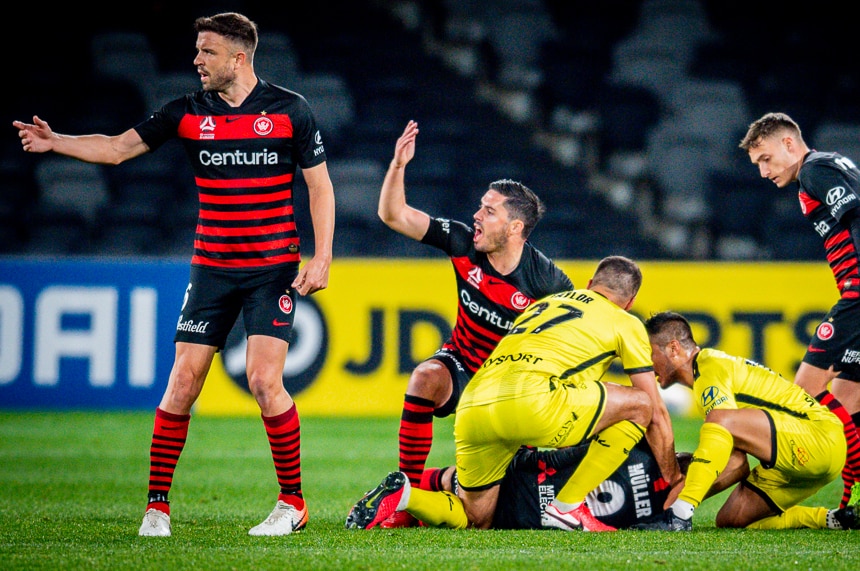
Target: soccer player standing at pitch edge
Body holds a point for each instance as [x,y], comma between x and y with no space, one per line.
[828,187]
[498,274]
[246,252]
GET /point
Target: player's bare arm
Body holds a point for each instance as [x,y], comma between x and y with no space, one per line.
[393,209]
[313,275]
[38,137]
[660,436]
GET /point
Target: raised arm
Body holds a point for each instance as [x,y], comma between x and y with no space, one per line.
[38,137]
[393,210]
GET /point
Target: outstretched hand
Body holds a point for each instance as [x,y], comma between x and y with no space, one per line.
[404,150]
[35,137]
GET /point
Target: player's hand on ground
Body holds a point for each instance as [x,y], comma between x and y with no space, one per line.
[35,137]
[404,150]
[313,276]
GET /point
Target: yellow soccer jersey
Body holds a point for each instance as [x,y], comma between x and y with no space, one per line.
[567,337]
[723,381]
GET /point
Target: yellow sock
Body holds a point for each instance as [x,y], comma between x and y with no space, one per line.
[439,509]
[605,454]
[710,458]
[794,518]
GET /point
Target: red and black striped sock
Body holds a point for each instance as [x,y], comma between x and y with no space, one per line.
[168,439]
[851,471]
[431,479]
[284,438]
[415,436]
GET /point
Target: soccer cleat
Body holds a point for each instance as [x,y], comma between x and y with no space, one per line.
[399,519]
[666,521]
[156,523]
[578,518]
[848,518]
[855,495]
[284,520]
[379,503]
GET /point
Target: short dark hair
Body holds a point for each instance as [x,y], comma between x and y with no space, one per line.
[665,326]
[767,125]
[231,25]
[521,202]
[618,274]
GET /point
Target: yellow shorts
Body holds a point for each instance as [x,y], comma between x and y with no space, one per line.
[809,455]
[487,436]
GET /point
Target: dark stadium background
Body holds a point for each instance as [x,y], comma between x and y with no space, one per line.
[626,160]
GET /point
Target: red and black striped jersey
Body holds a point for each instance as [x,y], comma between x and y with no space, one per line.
[828,189]
[244,161]
[488,302]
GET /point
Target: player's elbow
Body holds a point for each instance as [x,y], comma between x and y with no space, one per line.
[385,215]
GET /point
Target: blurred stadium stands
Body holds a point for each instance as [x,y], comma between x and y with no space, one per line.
[623,116]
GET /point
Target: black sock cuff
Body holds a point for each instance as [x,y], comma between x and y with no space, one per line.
[157,497]
[419,401]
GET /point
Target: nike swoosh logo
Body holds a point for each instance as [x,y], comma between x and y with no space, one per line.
[277,323]
[231,119]
[371,503]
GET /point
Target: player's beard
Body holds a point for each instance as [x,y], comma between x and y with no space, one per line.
[220,80]
[492,242]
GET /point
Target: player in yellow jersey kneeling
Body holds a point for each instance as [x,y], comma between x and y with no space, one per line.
[749,410]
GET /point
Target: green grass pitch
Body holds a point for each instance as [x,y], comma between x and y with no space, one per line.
[73,489]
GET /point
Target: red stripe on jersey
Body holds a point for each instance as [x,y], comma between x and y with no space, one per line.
[481,348]
[807,203]
[497,290]
[245,263]
[245,198]
[246,247]
[844,271]
[245,231]
[232,127]
[836,239]
[464,321]
[244,182]
[250,215]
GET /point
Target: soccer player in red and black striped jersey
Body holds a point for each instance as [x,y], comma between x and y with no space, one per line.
[245,139]
[829,193]
[498,273]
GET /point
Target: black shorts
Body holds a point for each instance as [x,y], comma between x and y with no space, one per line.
[836,340]
[214,298]
[460,377]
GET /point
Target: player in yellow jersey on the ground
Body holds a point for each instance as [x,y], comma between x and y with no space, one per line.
[541,387]
[749,410]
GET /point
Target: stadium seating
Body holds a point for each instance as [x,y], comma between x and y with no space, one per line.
[610,82]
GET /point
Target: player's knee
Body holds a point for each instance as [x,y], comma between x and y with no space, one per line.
[429,381]
[265,387]
[727,418]
[729,519]
[479,519]
[641,407]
